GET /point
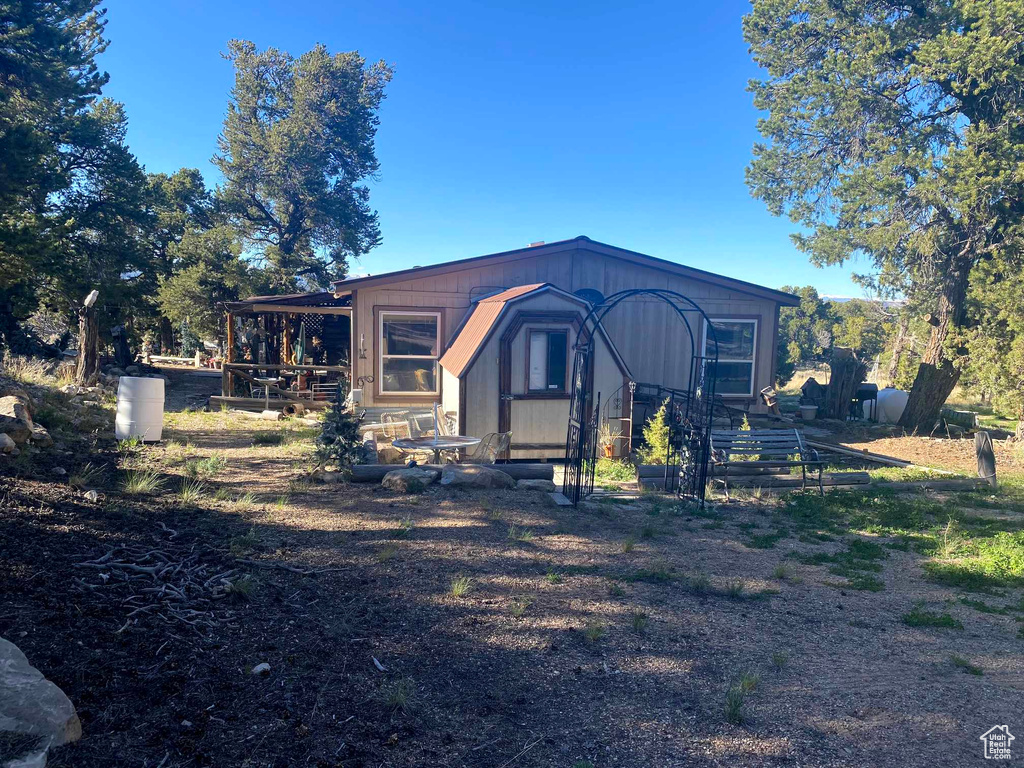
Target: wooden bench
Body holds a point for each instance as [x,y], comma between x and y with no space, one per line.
[759,450]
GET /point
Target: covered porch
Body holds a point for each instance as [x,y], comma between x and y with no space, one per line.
[286,350]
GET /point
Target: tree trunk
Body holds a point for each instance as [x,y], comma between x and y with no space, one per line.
[166,337]
[88,346]
[898,346]
[937,375]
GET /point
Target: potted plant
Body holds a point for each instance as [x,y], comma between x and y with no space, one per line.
[606,438]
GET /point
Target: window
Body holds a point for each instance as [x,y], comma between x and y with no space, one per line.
[547,360]
[409,345]
[737,345]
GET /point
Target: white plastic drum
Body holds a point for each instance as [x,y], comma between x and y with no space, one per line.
[140,408]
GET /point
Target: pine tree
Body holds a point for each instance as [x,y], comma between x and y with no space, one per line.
[339,442]
[655,447]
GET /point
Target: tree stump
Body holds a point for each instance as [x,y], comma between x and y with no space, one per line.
[847,374]
[88,345]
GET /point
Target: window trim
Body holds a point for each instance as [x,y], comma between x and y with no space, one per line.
[756,322]
[529,350]
[382,312]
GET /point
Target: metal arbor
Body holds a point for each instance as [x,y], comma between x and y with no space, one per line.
[689,410]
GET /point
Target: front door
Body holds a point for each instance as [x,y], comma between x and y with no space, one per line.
[536,367]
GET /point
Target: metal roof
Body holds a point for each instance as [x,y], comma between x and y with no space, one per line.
[478,326]
[581,242]
[471,337]
[313,299]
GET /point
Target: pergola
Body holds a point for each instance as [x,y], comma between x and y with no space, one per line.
[263,336]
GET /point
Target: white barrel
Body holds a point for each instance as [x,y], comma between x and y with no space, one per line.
[891,404]
[140,408]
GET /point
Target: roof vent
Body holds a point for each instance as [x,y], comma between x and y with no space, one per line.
[534,245]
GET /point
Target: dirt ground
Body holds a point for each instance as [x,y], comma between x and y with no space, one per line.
[953,452]
[608,636]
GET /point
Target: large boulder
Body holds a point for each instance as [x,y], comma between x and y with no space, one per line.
[7,445]
[475,476]
[535,484]
[15,418]
[34,713]
[409,480]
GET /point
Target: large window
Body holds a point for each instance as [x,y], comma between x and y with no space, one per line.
[737,345]
[409,345]
[547,359]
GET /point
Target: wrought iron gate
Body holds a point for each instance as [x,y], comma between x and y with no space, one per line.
[689,411]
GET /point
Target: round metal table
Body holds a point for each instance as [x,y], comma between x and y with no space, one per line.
[435,444]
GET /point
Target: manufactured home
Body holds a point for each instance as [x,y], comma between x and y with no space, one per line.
[490,337]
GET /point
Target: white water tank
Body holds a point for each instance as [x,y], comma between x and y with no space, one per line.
[891,403]
[140,408]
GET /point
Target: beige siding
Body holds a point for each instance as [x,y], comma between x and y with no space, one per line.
[648,334]
[450,394]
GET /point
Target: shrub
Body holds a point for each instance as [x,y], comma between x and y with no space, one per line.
[397,695]
[339,442]
[734,706]
[142,483]
[191,491]
[267,438]
[86,477]
[593,630]
[461,586]
[963,664]
[922,618]
[655,447]
[640,620]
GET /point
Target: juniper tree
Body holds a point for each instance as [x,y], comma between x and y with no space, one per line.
[894,130]
[297,145]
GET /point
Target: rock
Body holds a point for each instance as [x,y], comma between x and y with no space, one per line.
[32,706]
[133,370]
[59,471]
[92,495]
[330,478]
[7,444]
[15,418]
[475,476]
[40,436]
[261,669]
[535,485]
[414,480]
[115,371]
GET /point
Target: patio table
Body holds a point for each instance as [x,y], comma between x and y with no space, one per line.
[435,444]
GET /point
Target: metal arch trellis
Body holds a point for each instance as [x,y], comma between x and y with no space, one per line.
[689,411]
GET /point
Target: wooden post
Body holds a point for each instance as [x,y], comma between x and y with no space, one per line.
[986,458]
[88,341]
[226,383]
[286,347]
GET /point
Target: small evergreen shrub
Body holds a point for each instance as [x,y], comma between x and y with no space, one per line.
[655,447]
[339,442]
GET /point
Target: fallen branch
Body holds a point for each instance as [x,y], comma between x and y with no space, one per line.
[289,568]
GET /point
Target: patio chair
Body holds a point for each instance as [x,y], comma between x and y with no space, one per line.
[501,451]
[490,449]
[484,452]
[394,422]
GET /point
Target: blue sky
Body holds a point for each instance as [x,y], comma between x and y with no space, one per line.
[506,123]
